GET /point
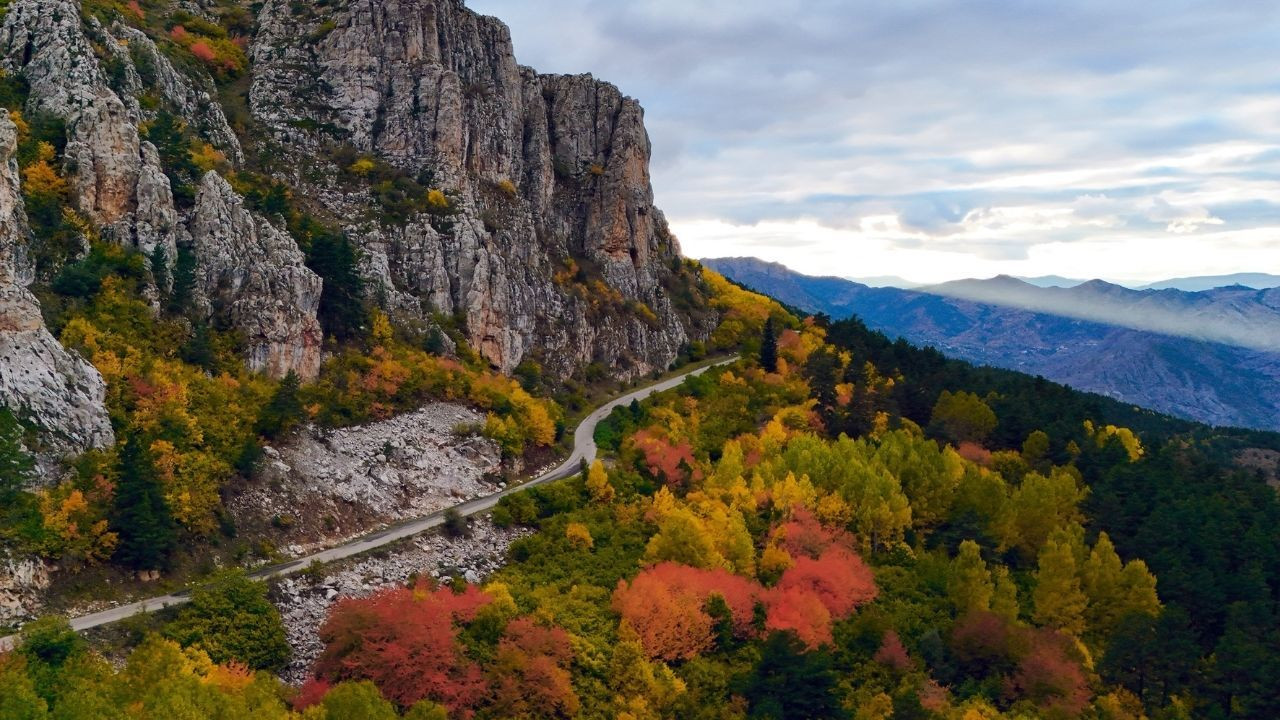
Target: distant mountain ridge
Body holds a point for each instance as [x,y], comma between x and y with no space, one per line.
[1235,315]
[1257,281]
[1211,382]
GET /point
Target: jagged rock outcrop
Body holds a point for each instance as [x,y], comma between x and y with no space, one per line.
[45,42]
[545,169]
[39,379]
[254,275]
[545,245]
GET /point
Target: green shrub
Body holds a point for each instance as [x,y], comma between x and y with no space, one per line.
[231,619]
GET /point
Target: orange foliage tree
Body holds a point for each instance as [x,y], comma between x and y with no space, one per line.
[671,462]
[530,675]
[666,605]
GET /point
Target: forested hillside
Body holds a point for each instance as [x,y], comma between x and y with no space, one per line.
[835,527]
[1188,375]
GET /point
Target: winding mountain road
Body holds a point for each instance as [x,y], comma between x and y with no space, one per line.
[584,448]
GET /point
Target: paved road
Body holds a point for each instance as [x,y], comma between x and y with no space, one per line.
[584,447]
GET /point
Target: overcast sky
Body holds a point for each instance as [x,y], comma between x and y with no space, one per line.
[935,140]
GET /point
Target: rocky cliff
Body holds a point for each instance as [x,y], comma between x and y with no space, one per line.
[544,174]
[513,207]
[248,274]
[39,380]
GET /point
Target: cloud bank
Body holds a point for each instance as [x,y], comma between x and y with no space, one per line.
[934,139]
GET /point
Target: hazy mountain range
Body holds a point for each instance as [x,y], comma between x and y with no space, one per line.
[1211,363]
[1257,281]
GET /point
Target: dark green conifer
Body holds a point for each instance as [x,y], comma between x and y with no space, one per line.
[769,347]
[141,516]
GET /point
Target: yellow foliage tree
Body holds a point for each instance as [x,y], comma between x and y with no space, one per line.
[40,179]
[579,536]
[598,484]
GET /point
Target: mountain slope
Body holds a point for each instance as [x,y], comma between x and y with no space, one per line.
[275,171]
[1210,382]
[1231,315]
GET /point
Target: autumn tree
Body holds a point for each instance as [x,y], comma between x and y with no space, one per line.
[598,483]
[642,689]
[530,674]
[893,653]
[666,605]
[839,579]
[356,701]
[405,642]
[1048,676]
[1037,507]
[1004,598]
[1115,589]
[18,697]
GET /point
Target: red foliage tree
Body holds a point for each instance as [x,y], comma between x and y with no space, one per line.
[839,579]
[203,52]
[405,641]
[311,693]
[983,640]
[673,463]
[804,535]
[975,453]
[530,675]
[1049,677]
[892,653]
[666,604]
[801,612]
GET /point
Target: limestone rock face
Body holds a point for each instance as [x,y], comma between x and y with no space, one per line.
[117,179]
[39,379]
[549,247]
[22,583]
[255,276]
[545,170]
[44,41]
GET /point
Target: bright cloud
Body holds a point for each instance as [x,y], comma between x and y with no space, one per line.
[939,138]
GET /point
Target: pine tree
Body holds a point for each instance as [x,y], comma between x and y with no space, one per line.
[184,282]
[334,259]
[1059,601]
[969,585]
[16,465]
[791,681]
[159,262]
[141,515]
[283,411]
[769,347]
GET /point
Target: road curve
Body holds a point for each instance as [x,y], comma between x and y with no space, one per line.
[584,448]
